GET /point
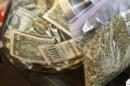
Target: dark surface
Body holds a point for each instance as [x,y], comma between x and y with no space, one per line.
[73,78]
[10,76]
[121,79]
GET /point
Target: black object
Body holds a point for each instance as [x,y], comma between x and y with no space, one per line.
[9,76]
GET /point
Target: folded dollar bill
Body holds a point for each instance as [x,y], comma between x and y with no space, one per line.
[25,47]
[56,16]
[72,64]
[60,52]
[20,19]
[28,22]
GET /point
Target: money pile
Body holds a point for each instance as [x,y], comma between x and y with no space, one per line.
[61,53]
[25,46]
[38,33]
[56,16]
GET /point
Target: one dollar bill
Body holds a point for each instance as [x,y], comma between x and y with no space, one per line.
[24,46]
[60,52]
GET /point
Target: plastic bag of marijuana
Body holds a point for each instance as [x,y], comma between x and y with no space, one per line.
[96,15]
[106,52]
[105,11]
[106,43]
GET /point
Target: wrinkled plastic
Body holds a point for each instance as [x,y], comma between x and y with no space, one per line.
[21,17]
[98,14]
[106,52]
[106,42]
[25,17]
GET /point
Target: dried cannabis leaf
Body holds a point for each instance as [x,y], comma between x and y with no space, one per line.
[105,52]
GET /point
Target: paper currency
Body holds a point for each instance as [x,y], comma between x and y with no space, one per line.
[49,4]
[64,36]
[79,5]
[25,46]
[23,2]
[50,54]
[71,64]
[39,28]
[59,53]
[1,44]
[32,39]
[75,48]
[39,7]
[72,8]
[26,19]
[58,34]
[7,44]
[55,33]
[22,19]
[27,22]
[42,6]
[30,7]
[56,16]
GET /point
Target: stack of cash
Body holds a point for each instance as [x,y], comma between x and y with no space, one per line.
[60,54]
[38,33]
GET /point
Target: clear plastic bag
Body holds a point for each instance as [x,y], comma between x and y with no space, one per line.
[27,32]
[97,14]
[105,41]
[107,52]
